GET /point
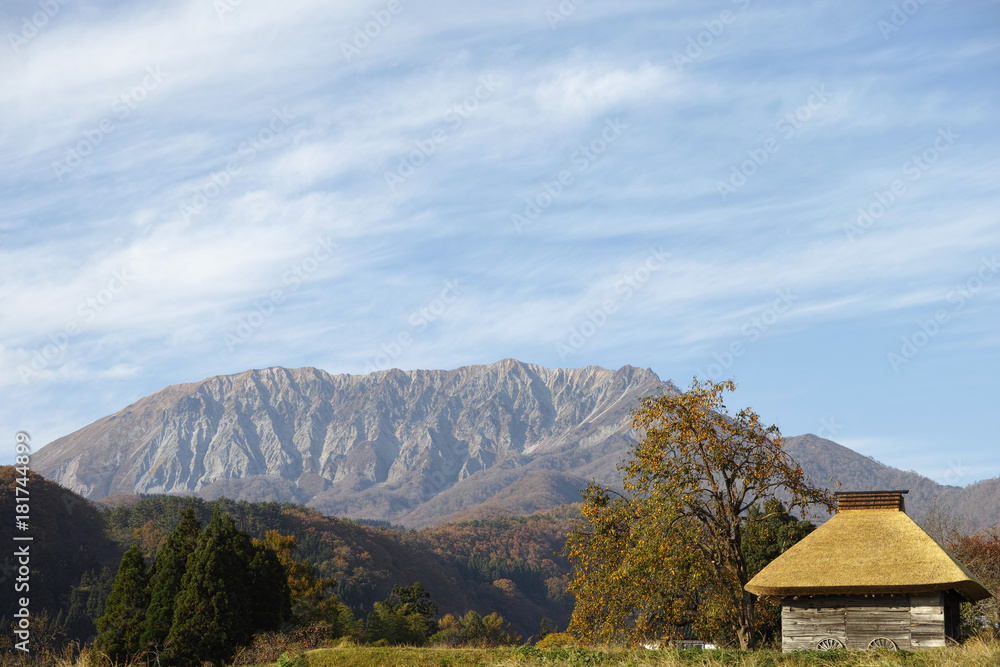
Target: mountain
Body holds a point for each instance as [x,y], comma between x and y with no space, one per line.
[416,448]
[826,463]
[407,447]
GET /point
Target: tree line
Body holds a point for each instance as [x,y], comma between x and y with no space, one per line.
[208,590]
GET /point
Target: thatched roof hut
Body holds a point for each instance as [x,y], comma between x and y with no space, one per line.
[870,568]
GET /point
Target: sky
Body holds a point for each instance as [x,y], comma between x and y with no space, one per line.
[799,196]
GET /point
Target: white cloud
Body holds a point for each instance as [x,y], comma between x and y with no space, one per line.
[587,91]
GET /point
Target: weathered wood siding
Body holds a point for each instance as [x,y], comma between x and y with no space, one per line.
[926,620]
[911,621]
[880,616]
[808,621]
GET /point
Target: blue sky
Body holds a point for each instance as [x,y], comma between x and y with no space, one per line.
[801,196]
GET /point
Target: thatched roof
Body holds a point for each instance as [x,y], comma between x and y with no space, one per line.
[866,551]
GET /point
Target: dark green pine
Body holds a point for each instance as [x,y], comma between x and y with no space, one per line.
[212,611]
[166,577]
[121,625]
[272,604]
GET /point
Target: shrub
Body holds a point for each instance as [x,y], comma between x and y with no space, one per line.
[556,639]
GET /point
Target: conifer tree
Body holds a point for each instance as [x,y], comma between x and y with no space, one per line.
[121,625]
[166,576]
[212,612]
[406,617]
[272,601]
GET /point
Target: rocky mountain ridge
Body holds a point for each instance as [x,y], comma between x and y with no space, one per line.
[415,447]
[378,446]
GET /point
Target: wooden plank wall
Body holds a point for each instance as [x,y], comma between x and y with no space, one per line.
[926,620]
[880,616]
[807,621]
[910,621]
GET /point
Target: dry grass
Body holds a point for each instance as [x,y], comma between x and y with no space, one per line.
[71,655]
[974,653]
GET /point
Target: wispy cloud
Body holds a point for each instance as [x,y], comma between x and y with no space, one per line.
[165,168]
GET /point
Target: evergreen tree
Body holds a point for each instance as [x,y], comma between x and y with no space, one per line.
[414,599]
[406,617]
[213,608]
[272,602]
[166,576]
[770,532]
[121,625]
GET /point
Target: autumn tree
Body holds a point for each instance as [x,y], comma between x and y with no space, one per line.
[768,532]
[313,598]
[649,558]
[980,552]
[630,584]
[121,625]
[472,629]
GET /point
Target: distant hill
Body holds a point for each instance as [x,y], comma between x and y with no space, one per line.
[68,540]
[824,460]
[415,448]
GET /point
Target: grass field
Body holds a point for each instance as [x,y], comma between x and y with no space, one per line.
[974,653]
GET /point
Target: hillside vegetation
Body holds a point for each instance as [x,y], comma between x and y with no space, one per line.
[512,566]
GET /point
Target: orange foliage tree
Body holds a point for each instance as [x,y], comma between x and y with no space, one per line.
[647,563]
[313,598]
[981,554]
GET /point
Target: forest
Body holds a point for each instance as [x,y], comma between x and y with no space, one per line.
[511,567]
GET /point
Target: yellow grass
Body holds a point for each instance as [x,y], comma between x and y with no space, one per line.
[974,654]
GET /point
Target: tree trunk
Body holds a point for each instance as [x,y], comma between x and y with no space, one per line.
[745,630]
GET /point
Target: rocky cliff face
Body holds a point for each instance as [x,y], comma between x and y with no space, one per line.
[400,446]
[416,447]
